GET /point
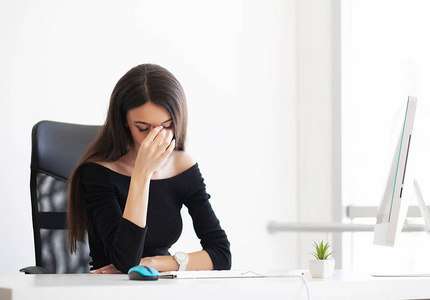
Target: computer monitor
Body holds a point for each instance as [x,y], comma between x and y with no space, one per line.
[394,206]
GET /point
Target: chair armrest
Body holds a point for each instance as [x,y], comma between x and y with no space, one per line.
[34,270]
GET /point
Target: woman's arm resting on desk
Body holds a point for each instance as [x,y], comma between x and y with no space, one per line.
[197,261]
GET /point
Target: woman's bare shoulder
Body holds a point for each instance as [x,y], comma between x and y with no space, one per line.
[182,161]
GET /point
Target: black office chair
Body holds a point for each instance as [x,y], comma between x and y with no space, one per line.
[56,149]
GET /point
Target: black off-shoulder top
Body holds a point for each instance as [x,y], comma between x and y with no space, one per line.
[115,240]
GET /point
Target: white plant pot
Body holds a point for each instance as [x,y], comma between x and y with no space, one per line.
[321,268]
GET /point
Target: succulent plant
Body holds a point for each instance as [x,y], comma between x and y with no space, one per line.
[321,250]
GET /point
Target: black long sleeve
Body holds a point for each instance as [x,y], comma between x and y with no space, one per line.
[206,225]
[122,240]
[116,240]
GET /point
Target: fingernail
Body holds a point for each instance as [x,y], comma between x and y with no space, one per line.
[104,272]
[93,271]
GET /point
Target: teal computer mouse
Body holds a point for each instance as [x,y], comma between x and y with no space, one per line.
[143,273]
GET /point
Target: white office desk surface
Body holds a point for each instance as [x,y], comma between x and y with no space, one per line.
[354,286]
[87,286]
[113,286]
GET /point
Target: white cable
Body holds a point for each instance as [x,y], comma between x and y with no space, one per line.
[291,276]
[306,285]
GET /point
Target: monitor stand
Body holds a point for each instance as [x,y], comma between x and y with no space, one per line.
[426,216]
[422,205]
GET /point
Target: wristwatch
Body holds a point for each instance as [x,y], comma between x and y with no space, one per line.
[182,259]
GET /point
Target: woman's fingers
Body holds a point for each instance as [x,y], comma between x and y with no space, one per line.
[112,271]
[170,148]
[161,136]
[153,134]
[109,269]
[101,270]
[166,141]
[161,142]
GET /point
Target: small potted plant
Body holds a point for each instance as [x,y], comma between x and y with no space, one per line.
[322,266]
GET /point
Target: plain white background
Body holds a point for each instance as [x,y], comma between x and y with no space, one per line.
[258,80]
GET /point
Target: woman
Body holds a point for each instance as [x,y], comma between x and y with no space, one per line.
[129,187]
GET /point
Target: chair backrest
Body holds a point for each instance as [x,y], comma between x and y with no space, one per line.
[56,149]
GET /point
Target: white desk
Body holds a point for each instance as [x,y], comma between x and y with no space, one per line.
[82,287]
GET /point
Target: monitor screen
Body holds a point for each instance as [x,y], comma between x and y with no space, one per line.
[393,208]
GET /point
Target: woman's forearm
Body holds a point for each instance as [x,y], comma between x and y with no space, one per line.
[197,261]
[137,201]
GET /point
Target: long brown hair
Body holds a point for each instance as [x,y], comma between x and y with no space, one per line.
[142,84]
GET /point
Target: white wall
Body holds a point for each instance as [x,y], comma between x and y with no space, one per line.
[318,121]
[237,61]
